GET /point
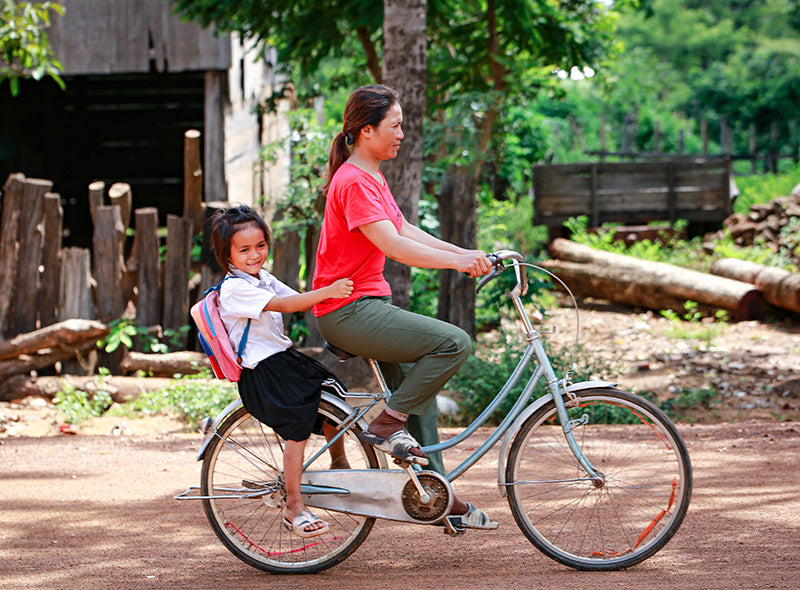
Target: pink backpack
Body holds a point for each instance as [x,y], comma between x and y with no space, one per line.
[225,361]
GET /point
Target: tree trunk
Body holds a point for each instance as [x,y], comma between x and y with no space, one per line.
[781,288]
[458,220]
[404,64]
[653,285]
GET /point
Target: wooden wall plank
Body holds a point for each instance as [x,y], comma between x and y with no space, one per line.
[115,36]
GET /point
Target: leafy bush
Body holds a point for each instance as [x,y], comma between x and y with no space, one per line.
[78,405]
[485,373]
[190,397]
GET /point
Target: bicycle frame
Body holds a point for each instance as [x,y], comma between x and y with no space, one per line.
[521,410]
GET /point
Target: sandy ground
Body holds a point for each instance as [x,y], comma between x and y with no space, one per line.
[97,510]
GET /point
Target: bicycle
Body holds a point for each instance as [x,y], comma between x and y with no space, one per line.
[596,478]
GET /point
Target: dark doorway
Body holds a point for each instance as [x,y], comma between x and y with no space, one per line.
[114,128]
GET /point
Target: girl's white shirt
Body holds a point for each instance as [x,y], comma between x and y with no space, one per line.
[245,298]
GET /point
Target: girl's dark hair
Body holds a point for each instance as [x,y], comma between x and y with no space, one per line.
[367,105]
[225,223]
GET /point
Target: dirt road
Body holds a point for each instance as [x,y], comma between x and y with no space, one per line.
[97,512]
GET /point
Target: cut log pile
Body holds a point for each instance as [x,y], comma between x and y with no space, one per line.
[763,223]
[647,284]
[738,286]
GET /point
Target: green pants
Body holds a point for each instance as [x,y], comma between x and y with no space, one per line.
[417,354]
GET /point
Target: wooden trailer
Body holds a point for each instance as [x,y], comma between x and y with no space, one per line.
[631,193]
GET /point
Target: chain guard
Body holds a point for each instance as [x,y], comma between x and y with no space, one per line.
[438,488]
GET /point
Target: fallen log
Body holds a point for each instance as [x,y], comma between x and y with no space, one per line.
[644,283]
[120,388]
[66,335]
[165,365]
[355,373]
[781,288]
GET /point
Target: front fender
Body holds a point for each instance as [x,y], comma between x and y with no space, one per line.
[527,413]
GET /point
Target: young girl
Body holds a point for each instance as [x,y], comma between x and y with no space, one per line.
[279,386]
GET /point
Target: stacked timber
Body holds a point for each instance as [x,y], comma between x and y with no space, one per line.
[765,222]
[652,285]
[781,288]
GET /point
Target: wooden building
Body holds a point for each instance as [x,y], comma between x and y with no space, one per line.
[137,77]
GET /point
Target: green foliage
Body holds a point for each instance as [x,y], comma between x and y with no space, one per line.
[190,397]
[123,331]
[498,353]
[78,406]
[763,188]
[691,254]
[24,46]
[689,398]
[690,325]
[300,207]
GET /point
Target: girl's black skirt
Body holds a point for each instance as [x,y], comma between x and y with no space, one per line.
[283,392]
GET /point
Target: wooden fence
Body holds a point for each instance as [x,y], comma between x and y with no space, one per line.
[145,275]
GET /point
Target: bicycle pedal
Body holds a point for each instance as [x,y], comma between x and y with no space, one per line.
[452,529]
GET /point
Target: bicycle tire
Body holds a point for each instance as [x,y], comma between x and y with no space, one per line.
[625,519]
[246,457]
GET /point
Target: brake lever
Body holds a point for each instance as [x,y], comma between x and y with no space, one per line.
[497,268]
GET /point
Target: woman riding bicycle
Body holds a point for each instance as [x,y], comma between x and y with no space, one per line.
[362,226]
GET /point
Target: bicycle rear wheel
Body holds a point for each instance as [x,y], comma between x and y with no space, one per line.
[242,474]
[600,525]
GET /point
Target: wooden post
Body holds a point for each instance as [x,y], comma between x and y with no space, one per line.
[48,296]
[120,194]
[96,197]
[31,236]
[657,138]
[76,302]
[214,185]
[602,137]
[773,147]
[148,301]
[192,180]
[76,284]
[176,272]
[753,157]
[107,256]
[9,246]
[704,135]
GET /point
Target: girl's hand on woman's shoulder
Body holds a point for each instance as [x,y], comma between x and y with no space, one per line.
[340,289]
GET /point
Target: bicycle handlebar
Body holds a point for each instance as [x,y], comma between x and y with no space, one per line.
[497,259]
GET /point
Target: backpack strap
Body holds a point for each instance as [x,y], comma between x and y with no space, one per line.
[243,340]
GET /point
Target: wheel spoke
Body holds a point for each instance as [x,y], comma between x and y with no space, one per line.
[643,496]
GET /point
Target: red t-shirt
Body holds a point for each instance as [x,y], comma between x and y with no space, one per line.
[354,199]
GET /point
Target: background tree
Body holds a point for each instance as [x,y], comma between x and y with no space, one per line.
[24,46]
[404,65]
[482,57]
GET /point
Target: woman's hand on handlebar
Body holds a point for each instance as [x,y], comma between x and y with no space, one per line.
[474,263]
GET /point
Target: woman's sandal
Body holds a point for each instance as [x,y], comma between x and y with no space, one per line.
[303,520]
[474,518]
[397,445]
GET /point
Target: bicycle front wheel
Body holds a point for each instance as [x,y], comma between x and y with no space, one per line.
[619,519]
[242,477]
